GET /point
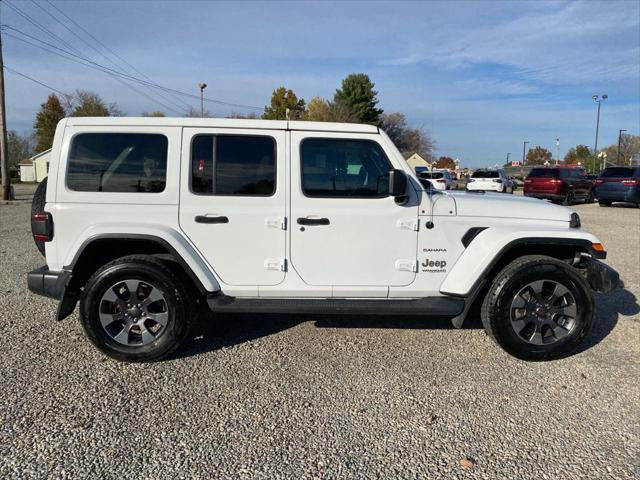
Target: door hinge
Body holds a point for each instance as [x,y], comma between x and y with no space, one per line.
[409,224]
[407,265]
[279,264]
[276,222]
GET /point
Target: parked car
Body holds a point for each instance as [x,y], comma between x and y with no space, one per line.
[440,179]
[144,221]
[618,184]
[564,185]
[490,180]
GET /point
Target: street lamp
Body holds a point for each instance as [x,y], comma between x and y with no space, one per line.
[557,150]
[524,153]
[202,87]
[598,99]
[508,158]
[619,141]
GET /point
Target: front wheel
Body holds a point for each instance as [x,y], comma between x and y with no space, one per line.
[538,308]
[136,309]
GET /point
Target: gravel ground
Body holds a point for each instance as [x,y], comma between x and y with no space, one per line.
[315,397]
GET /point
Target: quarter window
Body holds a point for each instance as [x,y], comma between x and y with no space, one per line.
[118,162]
[344,168]
[233,165]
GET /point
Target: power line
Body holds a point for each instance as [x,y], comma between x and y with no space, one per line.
[88,63]
[122,70]
[114,74]
[100,43]
[37,81]
[77,53]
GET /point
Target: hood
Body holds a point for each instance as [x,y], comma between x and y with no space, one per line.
[501,205]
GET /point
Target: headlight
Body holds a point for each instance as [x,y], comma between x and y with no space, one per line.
[575,220]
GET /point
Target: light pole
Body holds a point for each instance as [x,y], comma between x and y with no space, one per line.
[524,153]
[619,141]
[557,150]
[598,99]
[508,154]
[202,87]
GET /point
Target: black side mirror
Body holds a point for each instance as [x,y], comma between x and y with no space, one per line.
[397,183]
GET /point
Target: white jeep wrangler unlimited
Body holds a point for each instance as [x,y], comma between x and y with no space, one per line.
[142,220]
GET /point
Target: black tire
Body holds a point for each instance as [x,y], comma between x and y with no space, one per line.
[179,304]
[604,204]
[591,197]
[569,198]
[37,205]
[497,306]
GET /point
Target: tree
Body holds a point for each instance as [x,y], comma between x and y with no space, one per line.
[195,113]
[153,114]
[281,100]
[250,116]
[629,147]
[358,95]
[51,112]
[318,110]
[538,156]
[19,147]
[445,162]
[407,140]
[89,104]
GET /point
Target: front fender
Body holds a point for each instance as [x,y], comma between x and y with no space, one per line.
[488,246]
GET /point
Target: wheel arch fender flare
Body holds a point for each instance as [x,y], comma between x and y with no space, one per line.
[167,239]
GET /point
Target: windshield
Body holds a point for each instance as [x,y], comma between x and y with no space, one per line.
[617,172]
[543,173]
[485,174]
[430,174]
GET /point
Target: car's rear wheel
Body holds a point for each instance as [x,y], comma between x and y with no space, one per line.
[604,204]
[590,197]
[538,308]
[136,309]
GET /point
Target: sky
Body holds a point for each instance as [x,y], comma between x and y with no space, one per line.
[480,77]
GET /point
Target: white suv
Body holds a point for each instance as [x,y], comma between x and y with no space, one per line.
[490,181]
[145,220]
[440,179]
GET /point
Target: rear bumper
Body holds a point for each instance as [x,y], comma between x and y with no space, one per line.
[630,195]
[43,281]
[544,196]
[601,277]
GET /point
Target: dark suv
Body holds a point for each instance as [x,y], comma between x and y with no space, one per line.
[563,185]
[618,184]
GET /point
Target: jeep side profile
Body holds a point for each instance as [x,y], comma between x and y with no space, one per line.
[145,220]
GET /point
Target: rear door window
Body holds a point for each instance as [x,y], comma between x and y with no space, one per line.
[118,162]
[485,174]
[543,173]
[617,172]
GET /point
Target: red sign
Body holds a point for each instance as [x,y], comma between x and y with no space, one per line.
[515,163]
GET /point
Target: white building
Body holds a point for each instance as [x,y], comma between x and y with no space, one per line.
[36,168]
[27,171]
[416,160]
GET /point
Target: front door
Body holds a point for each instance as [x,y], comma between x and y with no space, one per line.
[345,228]
[232,202]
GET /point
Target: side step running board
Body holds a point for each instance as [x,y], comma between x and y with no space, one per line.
[432,306]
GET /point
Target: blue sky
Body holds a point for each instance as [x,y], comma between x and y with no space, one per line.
[480,77]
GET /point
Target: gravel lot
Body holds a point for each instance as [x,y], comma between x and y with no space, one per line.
[315,397]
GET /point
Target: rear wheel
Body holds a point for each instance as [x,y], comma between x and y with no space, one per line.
[538,308]
[37,206]
[136,309]
[604,204]
[590,198]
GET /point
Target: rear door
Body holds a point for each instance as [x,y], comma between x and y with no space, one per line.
[347,232]
[232,202]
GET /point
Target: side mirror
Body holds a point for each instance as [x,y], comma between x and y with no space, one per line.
[397,183]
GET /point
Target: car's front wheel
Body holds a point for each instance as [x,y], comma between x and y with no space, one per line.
[136,309]
[538,308]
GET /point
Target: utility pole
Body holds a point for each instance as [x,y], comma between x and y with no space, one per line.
[508,158]
[598,99]
[524,153]
[202,87]
[619,141]
[4,161]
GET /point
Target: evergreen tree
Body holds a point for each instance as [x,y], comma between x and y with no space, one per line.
[281,100]
[358,95]
[51,112]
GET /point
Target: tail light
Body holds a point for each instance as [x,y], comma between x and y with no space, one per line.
[42,226]
[497,180]
[630,181]
[599,181]
[528,181]
[556,181]
[441,180]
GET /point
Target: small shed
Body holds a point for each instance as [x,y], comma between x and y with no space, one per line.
[41,164]
[27,170]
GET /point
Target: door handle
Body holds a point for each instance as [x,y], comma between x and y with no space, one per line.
[205,219]
[313,221]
